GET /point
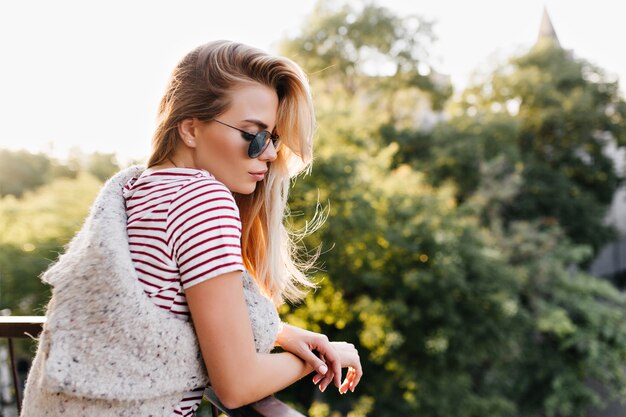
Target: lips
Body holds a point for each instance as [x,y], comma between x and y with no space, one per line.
[258,175]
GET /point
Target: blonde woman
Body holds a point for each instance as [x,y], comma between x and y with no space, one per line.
[174,280]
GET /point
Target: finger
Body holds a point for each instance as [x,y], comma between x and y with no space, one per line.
[331,358]
[326,381]
[317,378]
[347,382]
[357,377]
[316,363]
[344,386]
[324,378]
[328,378]
[351,374]
[334,365]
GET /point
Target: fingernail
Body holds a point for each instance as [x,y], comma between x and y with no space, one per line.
[322,369]
[322,388]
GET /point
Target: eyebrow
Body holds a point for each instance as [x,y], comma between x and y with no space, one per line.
[257,122]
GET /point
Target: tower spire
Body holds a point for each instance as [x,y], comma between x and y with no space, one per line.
[547,34]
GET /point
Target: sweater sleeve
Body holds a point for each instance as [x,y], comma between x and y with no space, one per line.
[204,231]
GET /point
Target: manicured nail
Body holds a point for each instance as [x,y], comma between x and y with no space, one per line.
[322,369]
[322,387]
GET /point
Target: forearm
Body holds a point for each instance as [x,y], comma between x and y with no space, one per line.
[271,372]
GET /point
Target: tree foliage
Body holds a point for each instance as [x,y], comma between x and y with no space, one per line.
[34,230]
[21,171]
[458,305]
[553,116]
[369,49]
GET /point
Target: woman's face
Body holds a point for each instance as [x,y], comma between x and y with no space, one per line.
[223,151]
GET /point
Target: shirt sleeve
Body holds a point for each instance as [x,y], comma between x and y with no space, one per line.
[204,231]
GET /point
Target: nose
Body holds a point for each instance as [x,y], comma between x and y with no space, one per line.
[269,154]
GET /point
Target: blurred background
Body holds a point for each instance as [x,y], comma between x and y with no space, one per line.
[469,157]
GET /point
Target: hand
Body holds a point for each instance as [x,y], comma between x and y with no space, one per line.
[303,343]
[332,357]
[349,358]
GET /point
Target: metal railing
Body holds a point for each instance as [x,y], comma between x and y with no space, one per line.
[12,327]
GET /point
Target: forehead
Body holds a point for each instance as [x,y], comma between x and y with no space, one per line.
[253,101]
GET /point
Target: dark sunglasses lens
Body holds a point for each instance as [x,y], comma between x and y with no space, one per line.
[258,144]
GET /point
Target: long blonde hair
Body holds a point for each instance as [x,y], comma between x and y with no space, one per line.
[199,87]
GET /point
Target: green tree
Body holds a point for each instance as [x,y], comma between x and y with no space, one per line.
[456,149]
[408,281]
[21,171]
[369,54]
[559,114]
[453,318]
[102,165]
[33,231]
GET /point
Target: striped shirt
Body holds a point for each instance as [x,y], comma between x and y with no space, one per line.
[183,228]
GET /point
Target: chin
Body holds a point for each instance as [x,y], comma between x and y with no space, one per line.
[246,189]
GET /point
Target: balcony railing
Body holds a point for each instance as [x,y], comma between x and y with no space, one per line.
[13,327]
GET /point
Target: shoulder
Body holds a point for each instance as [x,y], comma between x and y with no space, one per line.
[203,191]
[202,203]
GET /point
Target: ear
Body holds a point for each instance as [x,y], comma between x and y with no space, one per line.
[187,131]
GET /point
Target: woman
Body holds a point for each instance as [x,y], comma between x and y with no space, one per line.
[201,233]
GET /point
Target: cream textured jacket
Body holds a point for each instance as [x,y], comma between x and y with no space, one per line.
[106,349]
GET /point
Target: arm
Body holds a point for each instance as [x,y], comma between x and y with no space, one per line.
[239,375]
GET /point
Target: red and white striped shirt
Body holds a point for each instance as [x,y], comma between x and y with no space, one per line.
[183,228]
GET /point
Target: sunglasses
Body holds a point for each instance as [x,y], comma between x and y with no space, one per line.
[258,141]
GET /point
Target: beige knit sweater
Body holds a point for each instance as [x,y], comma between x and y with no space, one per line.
[106,349]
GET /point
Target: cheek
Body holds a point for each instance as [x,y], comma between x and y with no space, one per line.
[235,151]
[217,148]
[228,155]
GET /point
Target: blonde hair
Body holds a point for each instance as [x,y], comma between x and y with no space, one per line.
[199,87]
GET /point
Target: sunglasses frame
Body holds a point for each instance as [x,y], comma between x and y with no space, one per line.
[255,139]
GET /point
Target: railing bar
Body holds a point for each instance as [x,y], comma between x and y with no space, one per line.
[18,400]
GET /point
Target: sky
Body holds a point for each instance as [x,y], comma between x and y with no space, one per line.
[89,74]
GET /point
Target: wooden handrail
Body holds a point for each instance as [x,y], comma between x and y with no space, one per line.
[30,326]
[269,406]
[21,326]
